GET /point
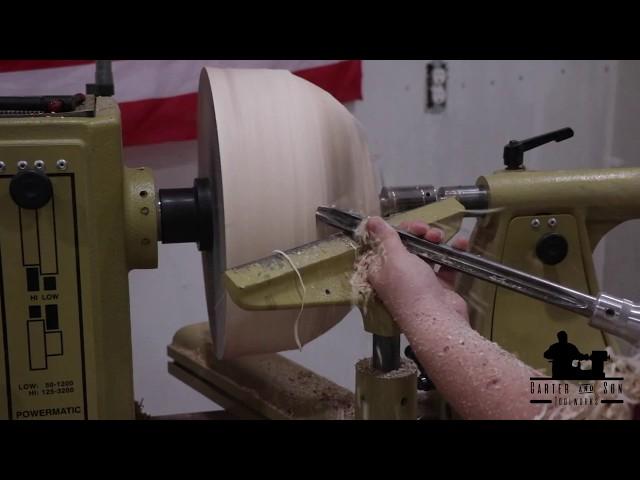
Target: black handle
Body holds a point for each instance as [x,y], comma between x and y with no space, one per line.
[104,80]
[424,383]
[514,151]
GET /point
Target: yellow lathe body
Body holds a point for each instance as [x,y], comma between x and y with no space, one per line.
[530,206]
[65,337]
[74,221]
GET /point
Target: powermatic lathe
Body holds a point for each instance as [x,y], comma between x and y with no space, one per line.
[74,221]
[531,249]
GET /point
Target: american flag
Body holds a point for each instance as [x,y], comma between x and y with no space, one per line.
[158,98]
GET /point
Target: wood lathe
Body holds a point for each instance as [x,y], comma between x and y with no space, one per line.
[74,221]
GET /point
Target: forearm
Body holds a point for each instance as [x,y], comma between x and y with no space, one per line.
[478,378]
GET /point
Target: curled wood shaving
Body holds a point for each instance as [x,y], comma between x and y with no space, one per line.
[296,324]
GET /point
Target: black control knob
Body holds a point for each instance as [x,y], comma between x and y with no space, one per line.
[552,249]
[31,189]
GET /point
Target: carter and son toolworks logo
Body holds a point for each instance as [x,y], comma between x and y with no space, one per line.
[570,384]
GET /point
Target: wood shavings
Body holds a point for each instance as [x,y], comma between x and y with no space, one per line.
[370,260]
[407,367]
[296,324]
[273,385]
[619,366]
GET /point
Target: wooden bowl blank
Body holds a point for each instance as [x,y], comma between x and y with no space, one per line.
[275,148]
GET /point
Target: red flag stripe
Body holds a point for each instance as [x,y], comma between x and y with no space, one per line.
[173,119]
[165,112]
[159,120]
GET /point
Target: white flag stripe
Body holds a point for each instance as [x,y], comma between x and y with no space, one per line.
[134,79]
[49,81]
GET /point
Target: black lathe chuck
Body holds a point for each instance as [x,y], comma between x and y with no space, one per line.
[186,214]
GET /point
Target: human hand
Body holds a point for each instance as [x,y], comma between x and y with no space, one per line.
[447,276]
[404,280]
